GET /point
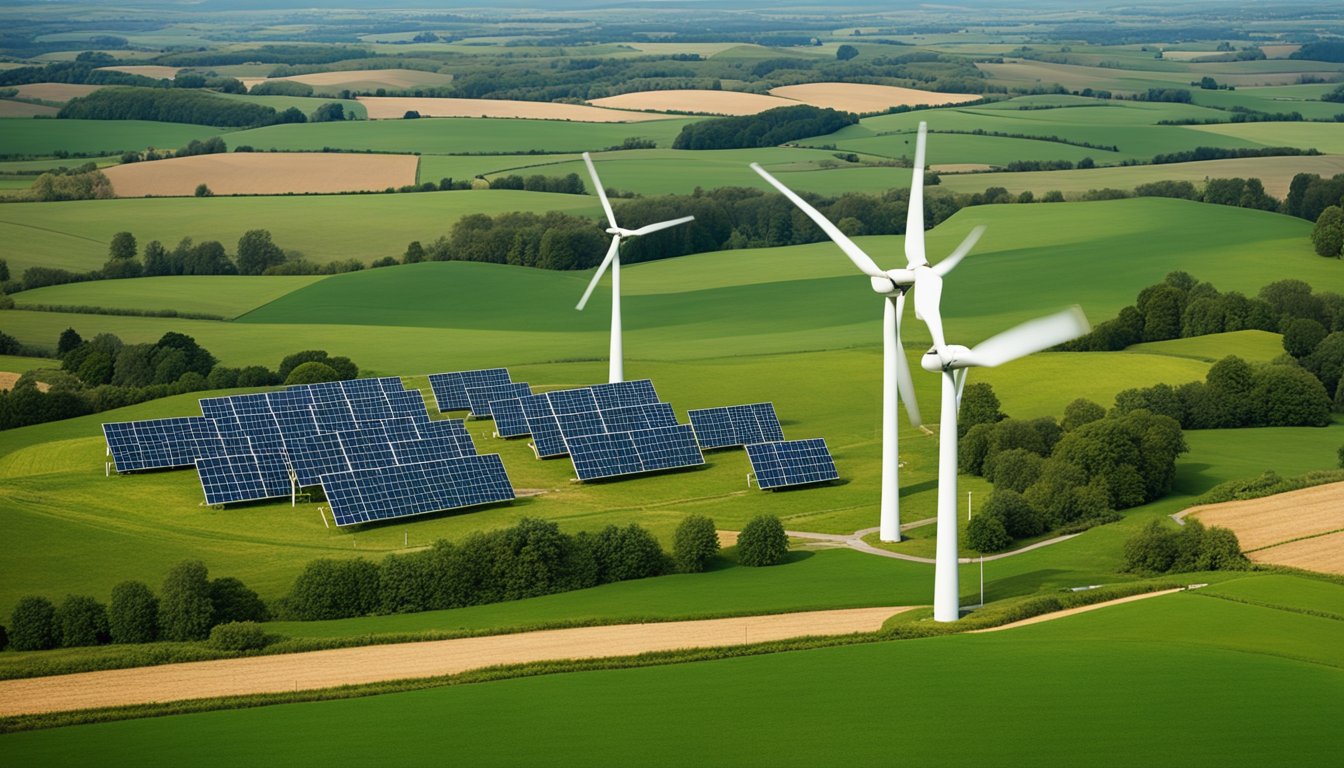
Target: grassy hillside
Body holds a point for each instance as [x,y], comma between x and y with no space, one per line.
[645,715]
[75,235]
[26,136]
[222,295]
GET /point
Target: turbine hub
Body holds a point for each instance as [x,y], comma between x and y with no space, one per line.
[884,285]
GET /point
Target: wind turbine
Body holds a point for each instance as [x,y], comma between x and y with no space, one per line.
[616,371]
[893,284]
[953,362]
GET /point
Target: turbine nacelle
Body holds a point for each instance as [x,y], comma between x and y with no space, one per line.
[957,357]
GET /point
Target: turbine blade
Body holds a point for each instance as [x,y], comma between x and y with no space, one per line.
[1031,336]
[928,297]
[854,252]
[660,225]
[601,191]
[914,217]
[953,259]
[905,384]
[601,269]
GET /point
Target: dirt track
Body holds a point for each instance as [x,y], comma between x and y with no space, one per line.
[346,666]
[1072,611]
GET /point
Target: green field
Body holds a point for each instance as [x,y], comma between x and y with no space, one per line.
[225,296]
[1326,137]
[26,136]
[1096,681]
[75,235]
[458,135]
[1253,346]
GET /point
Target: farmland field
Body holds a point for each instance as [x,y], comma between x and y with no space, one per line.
[28,137]
[395,107]
[698,102]
[1276,520]
[263,174]
[860,98]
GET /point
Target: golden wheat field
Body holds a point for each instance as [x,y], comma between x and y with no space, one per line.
[263,173]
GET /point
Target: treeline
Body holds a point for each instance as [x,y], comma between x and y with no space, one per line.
[1224,153]
[74,72]
[1181,307]
[1238,394]
[105,373]
[1321,200]
[190,606]
[174,106]
[1324,50]
[765,129]
[1237,192]
[266,54]
[1064,477]
[569,184]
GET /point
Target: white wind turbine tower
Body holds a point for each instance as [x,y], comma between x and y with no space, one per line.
[953,362]
[616,371]
[893,284]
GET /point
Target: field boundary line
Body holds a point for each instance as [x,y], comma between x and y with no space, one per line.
[1080,609]
[1291,541]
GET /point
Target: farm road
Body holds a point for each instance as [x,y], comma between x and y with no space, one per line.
[367,664]
[855,541]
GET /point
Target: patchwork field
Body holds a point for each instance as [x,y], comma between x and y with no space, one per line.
[695,102]
[263,174]
[224,295]
[56,92]
[156,71]
[863,98]
[370,79]
[1300,528]
[27,137]
[11,108]
[394,107]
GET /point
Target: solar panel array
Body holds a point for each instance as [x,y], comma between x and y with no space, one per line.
[373,433]
[735,425]
[791,462]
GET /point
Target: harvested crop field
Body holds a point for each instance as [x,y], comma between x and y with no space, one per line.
[863,98]
[156,71]
[1281,518]
[376,78]
[349,666]
[695,101]
[57,92]
[263,173]
[1318,553]
[395,107]
[10,108]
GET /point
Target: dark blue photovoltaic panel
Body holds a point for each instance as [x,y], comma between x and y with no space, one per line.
[427,449]
[633,417]
[408,402]
[361,496]
[373,407]
[541,424]
[510,421]
[333,416]
[403,428]
[161,443]
[262,430]
[217,407]
[367,448]
[317,455]
[456,429]
[792,462]
[736,425]
[481,397]
[450,389]
[624,393]
[667,447]
[391,384]
[604,455]
[289,399]
[361,388]
[572,400]
[580,423]
[250,404]
[228,479]
[296,423]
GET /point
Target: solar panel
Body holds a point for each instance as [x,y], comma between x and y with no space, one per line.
[370,407]
[510,421]
[427,449]
[361,388]
[398,429]
[160,443]
[736,425]
[624,393]
[217,407]
[450,389]
[333,415]
[454,429]
[408,402]
[791,462]
[632,417]
[625,453]
[360,496]
[367,448]
[572,400]
[317,455]
[546,438]
[229,479]
[580,423]
[481,397]
[391,384]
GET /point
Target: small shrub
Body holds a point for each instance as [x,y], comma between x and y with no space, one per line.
[238,636]
[33,625]
[312,373]
[234,602]
[762,542]
[695,544]
[335,589]
[986,533]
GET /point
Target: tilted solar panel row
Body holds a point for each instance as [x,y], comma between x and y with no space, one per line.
[610,454]
[450,389]
[361,496]
[167,443]
[736,425]
[791,462]
[480,398]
